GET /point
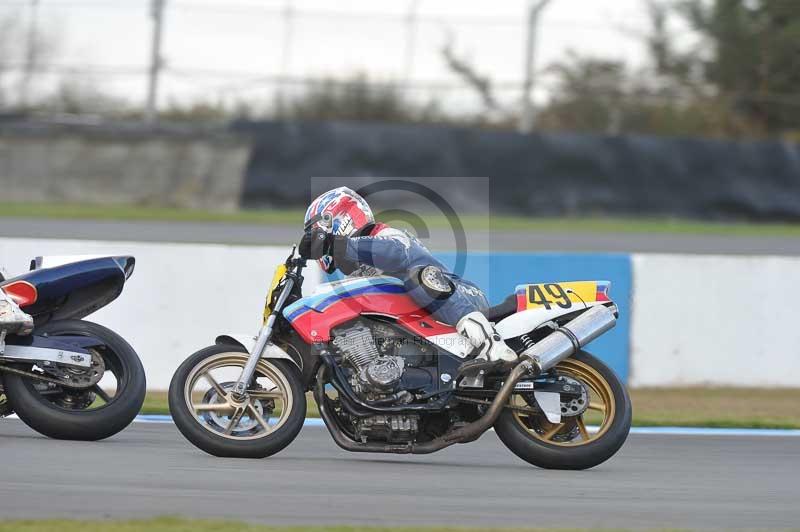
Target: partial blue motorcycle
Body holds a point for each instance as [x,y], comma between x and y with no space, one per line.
[70,378]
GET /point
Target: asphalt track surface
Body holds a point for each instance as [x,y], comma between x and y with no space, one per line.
[655,481]
[237,233]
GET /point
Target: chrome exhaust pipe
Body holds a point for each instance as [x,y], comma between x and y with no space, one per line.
[572,337]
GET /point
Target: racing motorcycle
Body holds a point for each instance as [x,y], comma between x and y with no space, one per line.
[70,379]
[387,377]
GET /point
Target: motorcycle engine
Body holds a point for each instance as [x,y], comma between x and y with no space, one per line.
[377,357]
[374,374]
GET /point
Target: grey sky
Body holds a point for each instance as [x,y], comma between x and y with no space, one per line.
[220,48]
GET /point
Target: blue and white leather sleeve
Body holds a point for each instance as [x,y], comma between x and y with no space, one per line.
[388,252]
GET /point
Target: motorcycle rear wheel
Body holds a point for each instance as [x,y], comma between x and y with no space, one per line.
[201,405]
[78,415]
[572,444]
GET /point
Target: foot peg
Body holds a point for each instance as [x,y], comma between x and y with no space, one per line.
[474,366]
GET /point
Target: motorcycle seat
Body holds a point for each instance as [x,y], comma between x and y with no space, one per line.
[503,310]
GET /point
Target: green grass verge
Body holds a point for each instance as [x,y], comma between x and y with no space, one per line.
[717,407]
[653,407]
[494,223]
[171,524]
[135,212]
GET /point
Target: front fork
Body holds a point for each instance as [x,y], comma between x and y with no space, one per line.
[240,388]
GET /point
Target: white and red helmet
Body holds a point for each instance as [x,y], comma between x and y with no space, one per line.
[340,211]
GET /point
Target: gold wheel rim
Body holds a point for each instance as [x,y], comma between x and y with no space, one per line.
[217,412]
[601,405]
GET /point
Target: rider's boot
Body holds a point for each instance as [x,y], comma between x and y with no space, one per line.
[481,334]
[12,318]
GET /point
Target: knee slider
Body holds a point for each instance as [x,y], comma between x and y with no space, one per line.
[429,286]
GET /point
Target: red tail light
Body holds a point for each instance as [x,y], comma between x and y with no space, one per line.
[22,292]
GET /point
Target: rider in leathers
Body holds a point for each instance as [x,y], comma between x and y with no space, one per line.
[341,232]
[12,319]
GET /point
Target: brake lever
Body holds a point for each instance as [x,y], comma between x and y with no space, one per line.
[290,258]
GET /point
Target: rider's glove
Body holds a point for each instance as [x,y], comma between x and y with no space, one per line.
[315,244]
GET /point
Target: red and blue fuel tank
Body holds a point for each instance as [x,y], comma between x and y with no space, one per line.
[338,302]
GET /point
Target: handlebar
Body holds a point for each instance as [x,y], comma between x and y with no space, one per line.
[295,262]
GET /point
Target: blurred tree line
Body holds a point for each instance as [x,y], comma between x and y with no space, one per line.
[741,76]
[737,75]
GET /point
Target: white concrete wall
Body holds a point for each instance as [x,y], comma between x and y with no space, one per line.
[180,297]
[720,320]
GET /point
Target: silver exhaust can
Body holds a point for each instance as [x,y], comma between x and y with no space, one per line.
[570,338]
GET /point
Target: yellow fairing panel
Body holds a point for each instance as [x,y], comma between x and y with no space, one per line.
[280,272]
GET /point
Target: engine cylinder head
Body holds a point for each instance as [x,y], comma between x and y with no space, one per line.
[358,346]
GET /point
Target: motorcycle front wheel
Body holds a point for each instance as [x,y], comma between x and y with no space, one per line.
[206,413]
[592,429]
[93,413]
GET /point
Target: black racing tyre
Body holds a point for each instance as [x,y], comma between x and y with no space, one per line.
[66,415]
[275,411]
[570,445]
